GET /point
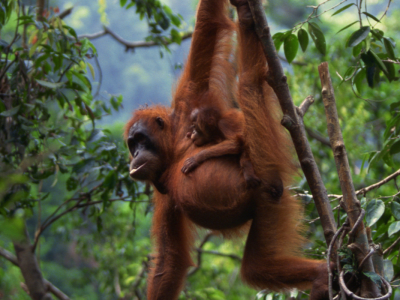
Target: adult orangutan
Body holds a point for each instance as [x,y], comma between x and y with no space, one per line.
[215,195]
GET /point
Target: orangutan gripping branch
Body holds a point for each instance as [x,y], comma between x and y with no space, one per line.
[215,194]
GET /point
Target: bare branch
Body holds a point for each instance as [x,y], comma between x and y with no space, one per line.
[389,249]
[317,136]
[386,10]
[233,256]
[352,204]
[129,45]
[378,184]
[199,256]
[304,106]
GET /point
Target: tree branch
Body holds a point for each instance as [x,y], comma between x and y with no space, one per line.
[54,290]
[378,184]
[318,136]
[352,205]
[29,267]
[129,45]
[388,250]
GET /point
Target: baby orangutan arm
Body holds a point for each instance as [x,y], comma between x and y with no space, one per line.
[223,148]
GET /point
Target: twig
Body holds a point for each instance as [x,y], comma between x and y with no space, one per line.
[389,249]
[316,219]
[367,189]
[53,289]
[199,256]
[386,10]
[304,106]
[233,256]
[299,63]
[315,9]
[140,276]
[129,45]
[317,136]
[359,12]
[378,184]
[328,261]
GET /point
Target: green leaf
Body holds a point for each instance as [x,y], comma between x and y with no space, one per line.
[358,36]
[374,211]
[318,37]
[123,2]
[347,26]
[391,71]
[393,228]
[50,85]
[96,135]
[342,9]
[72,183]
[290,47]
[278,40]
[374,277]
[395,148]
[303,39]
[371,16]
[91,69]
[348,268]
[378,34]
[10,112]
[389,48]
[84,166]
[357,50]
[358,79]
[378,61]
[395,208]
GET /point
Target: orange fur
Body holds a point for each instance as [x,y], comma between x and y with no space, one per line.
[214,195]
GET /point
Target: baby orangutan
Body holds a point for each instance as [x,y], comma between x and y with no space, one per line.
[225,131]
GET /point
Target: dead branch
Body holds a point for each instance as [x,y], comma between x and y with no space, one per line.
[129,45]
[305,105]
[352,205]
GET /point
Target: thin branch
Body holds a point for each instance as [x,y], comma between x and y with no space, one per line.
[299,63]
[233,256]
[53,289]
[317,136]
[199,256]
[378,184]
[305,105]
[365,190]
[315,10]
[129,45]
[389,249]
[359,12]
[386,10]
